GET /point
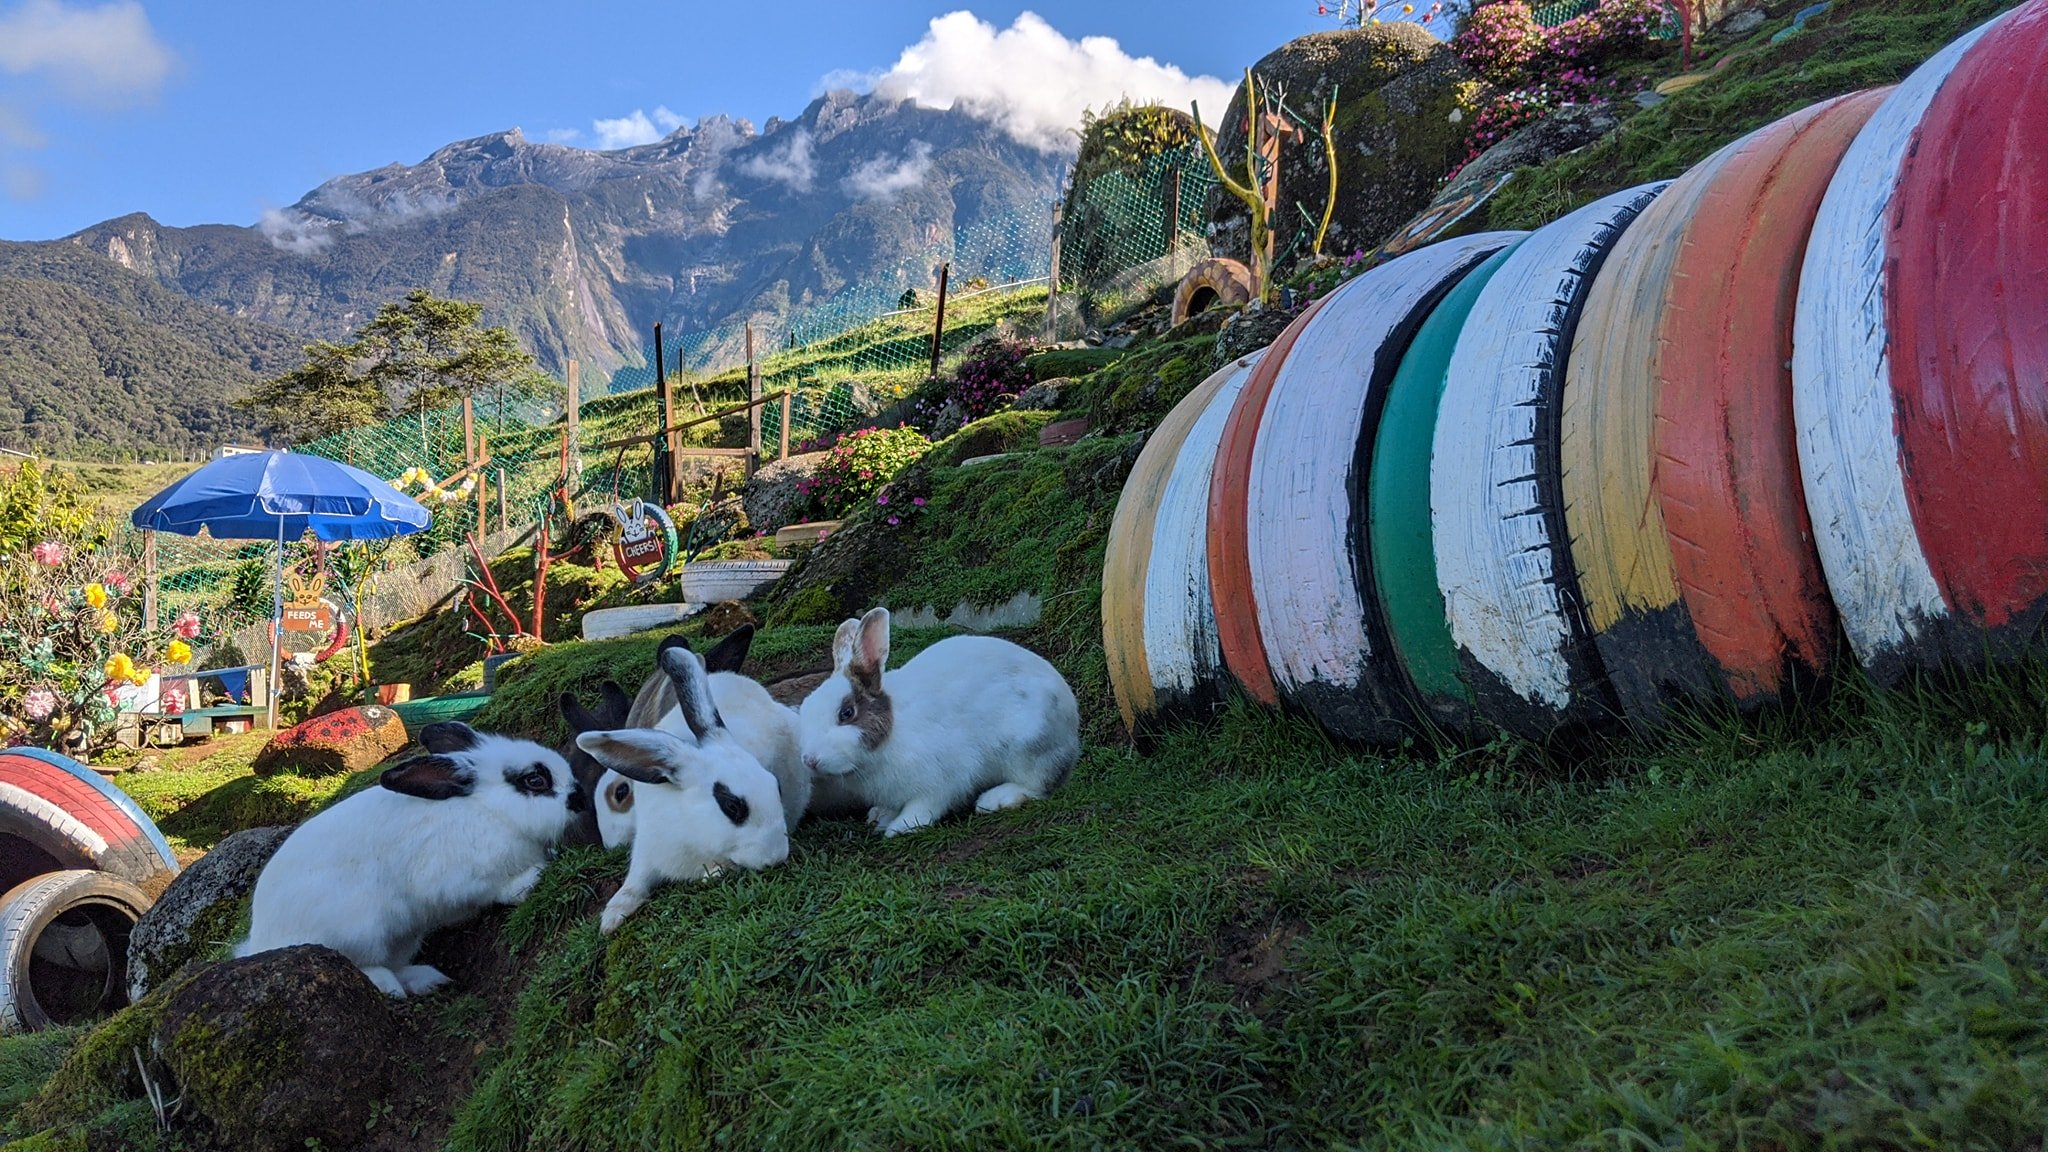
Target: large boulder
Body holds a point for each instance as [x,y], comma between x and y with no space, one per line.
[282,1049]
[201,910]
[771,497]
[1405,109]
[339,743]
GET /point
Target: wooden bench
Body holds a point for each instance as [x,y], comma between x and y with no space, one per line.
[198,722]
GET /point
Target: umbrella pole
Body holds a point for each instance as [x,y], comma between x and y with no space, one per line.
[276,622]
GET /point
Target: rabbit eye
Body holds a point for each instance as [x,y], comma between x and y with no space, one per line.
[536,782]
[620,796]
[730,803]
[848,711]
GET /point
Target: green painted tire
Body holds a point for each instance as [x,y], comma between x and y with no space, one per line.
[1403,560]
[417,714]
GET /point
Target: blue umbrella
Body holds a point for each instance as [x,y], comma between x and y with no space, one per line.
[280,496]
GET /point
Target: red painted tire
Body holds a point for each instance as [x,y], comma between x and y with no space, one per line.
[64,948]
[1326,646]
[1920,360]
[57,814]
[1230,570]
[1727,462]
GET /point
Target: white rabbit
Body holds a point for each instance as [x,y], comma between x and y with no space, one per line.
[442,837]
[763,727]
[969,718]
[702,802]
[610,714]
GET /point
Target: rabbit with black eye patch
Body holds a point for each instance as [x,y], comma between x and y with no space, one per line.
[762,726]
[702,802]
[970,719]
[440,838]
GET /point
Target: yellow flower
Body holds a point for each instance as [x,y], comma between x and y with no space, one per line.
[109,623]
[120,667]
[96,595]
[177,652]
[139,677]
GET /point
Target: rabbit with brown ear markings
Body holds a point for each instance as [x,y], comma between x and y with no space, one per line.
[970,719]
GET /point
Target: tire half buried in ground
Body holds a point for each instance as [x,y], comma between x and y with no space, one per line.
[1725,461]
[64,948]
[1888,364]
[1306,492]
[1403,563]
[1496,507]
[1141,541]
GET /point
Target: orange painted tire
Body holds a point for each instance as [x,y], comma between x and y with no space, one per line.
[1727,472]
[1230,567]
[1127,558]
[1213,283]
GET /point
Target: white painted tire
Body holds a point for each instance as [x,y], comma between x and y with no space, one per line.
[1496,506]
[33,928]
[1181,643]
[1842,399]
[1319,622]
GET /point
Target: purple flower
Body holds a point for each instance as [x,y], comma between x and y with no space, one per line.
[893,521]
[881,499]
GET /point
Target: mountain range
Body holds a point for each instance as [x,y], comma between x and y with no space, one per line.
[578,252]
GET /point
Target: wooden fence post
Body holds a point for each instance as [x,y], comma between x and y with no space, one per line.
[939,321]
[503,522]
[150,579]
[1052,281]
[784,453]
[665,470]
[1173,224]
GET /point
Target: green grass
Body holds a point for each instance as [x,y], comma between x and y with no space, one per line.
[1858,44]
[26,1061]
[197,803]
[1252,939]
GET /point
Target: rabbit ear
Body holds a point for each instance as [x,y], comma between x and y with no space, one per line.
[644,754]
[728,654]
[672,640]
[693,691]
[448,736]
[579,718]
[844,642]
[872,653]
[616,704]
[429,777]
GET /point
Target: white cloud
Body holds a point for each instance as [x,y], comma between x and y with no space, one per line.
[634,128]
[299,235]
[1031,80]
[17,130]
[882,178]
[790,164]
[106,55]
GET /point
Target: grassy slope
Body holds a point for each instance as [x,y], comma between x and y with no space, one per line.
[1856,45]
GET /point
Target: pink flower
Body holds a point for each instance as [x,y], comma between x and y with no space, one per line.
[881,499]
[186,625]
[49,553]
[893,521]
[38,705]
[118,581]
[917,500]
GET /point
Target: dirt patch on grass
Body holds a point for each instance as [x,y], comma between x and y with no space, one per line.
[1250,955]
[977,842]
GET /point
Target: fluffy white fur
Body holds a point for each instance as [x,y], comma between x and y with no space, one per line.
[702,802]
[373,875]
[974,718]
[766,729]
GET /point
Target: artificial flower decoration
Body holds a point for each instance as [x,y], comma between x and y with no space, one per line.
[109,623]
[120,667]
[186,625]
[177,652]
[38,704]
[118,583]
[96,595]
[49,553]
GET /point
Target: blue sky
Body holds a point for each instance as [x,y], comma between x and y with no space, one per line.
[212,111]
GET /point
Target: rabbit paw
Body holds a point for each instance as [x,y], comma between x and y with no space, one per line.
[386,981]
[916,814]
[879,817]
[626,902]
[1003,796]
[520,887]
[420,979]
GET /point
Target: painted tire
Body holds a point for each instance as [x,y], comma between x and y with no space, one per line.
[1214,283]
[65,934]
[55,814]
[1726,461]
[659,521]
[1135,541]
[1306,541]
[1230,570]
[1889,364]
[1181,643]
[1496,508]
[1403,564]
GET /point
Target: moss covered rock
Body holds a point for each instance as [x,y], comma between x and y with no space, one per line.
[1005,431]
[282,1048]
[201,910]
[1405,106]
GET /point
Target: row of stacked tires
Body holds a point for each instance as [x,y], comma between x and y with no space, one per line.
[1670,448]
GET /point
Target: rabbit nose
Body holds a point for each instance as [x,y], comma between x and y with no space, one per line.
[811,762]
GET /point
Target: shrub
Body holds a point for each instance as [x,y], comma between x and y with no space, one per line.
[859,464]
[1500,41]
[994,369]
